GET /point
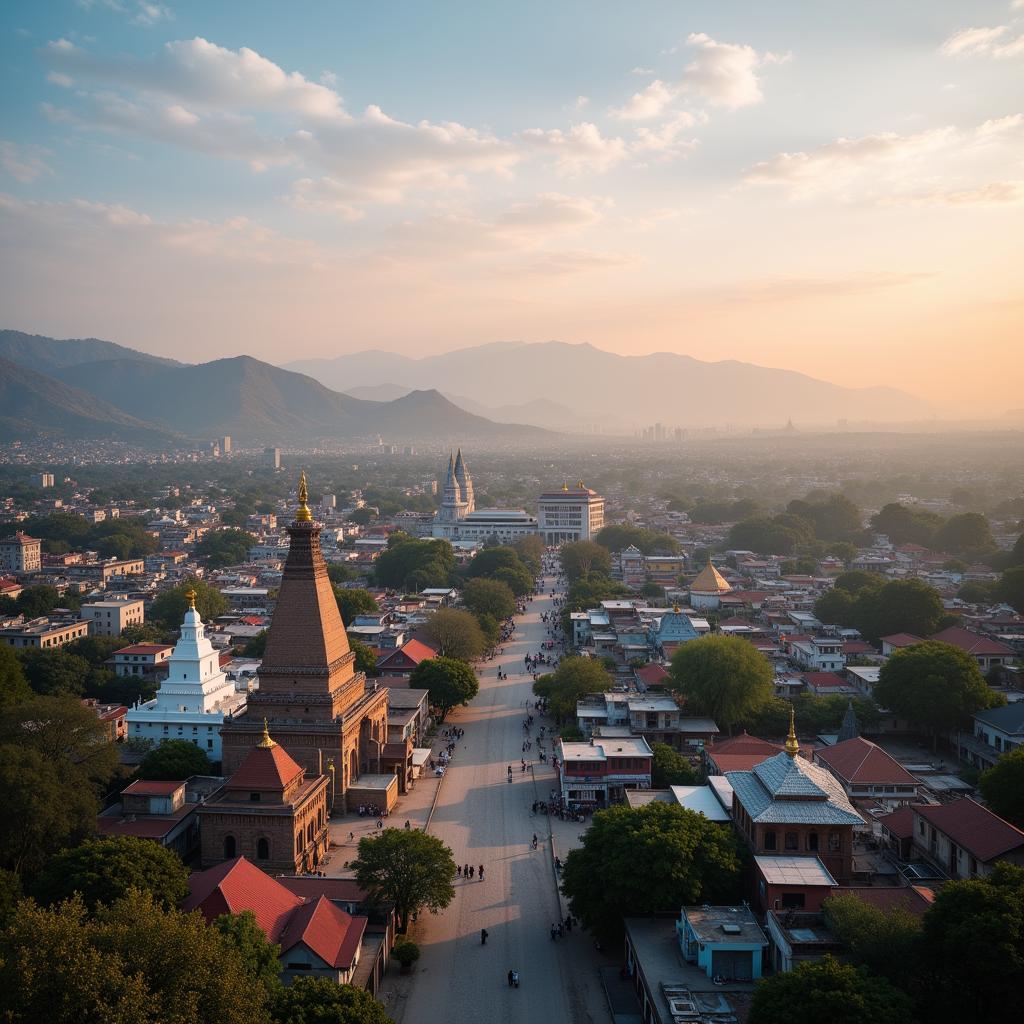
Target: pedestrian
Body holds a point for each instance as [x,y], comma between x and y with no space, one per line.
[458,870]
[471,870]
[483,936]
[408,825]
[481,872]
[465,871]
[510,979]
[380,824]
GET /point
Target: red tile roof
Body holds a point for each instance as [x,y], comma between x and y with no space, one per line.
[238,885]
[915,899]
[265,768]
[902,640]
[975,828]
[652,675]
[972,643]
[415,650]
[144,649]
[327,930]
[740,753]
[863,762]
[825,681]
[308,886]
[148,827]
[899,824]
[148,787]
[857,647]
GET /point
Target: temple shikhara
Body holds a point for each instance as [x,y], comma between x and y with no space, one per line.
[315,704]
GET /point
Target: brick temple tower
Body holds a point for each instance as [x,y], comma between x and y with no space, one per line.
[317,705]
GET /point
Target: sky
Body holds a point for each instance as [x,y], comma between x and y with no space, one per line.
[830,187]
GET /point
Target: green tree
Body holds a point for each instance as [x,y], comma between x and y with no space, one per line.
[906,526]
[965,534]
[414,564]
[899,606]
[366,660]
[973,944]
[10,896]
[448,682]
[775,535]
[258,954]
[455,634]
[853,581]
[619,536]
[584,557]
[487,562]
[54,671]
[572,680]
[978,592]
[96,650]
[828,992]
[41,811]
[169,607]
[338,572]
[1010,588]
[173,761]
[410,869]
[104,870]
[721,676]
[489,597]
[835,606]
[353,602]
[935,685]
[886,942]
[33,602]
[531,552]
[670,768]
[1002,786]
[645,860]
[225,547]
[255,647]
[322,1001]
[406,953]
[13,685]
[836,518]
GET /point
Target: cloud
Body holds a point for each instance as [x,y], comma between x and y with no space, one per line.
[141,12]
[725,74]
[983,42]
[552,213]
[582,148]
[647,104]
[665,141]
[196,71]
[995,193]
[24,163]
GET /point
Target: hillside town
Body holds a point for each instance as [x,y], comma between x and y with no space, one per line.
[294,697]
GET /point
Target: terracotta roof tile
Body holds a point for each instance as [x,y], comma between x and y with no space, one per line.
[975,828]
[265,768]
[327,930]
[972,643]
[860,761]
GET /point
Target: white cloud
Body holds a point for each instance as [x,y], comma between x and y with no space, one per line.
[582,148]
[551,213]
[995,193]
[581,102]
[725,74]
[647,104]
[983,42]
[666,140]
[141,12]
[24,163]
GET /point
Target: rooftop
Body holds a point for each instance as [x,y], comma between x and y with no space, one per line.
[626,746]
[860,761]
[730,925]
[975,828]
[790,870]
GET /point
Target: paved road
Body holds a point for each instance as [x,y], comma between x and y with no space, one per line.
[485,820]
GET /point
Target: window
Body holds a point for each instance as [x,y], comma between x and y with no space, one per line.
[209,744]
[792,841]
[812,841]
[263,849]
[793,900]
[770,841]
[835,842]
[229,847]
[254,798]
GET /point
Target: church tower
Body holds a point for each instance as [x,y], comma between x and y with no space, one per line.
[310,693]
[465,482]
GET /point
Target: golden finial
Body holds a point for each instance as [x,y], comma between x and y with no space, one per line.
[190,596]
[792,746]
[303,515]
[565,485]
[579,483]
[266,742]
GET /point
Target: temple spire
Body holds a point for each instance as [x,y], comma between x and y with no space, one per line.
[792,746]
[266,742]
[303,515]
[190,596]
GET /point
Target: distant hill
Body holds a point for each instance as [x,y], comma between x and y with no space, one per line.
[46,354]
[664,386]
[34,404]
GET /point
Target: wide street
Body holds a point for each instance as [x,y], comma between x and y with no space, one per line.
[486,820]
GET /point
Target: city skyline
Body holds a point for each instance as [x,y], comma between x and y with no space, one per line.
[835,191]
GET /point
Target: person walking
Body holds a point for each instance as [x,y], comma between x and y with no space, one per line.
[483,936]
[511,977]
[481,869]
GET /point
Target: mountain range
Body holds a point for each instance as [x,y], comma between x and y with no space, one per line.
[98,389]
[598,386]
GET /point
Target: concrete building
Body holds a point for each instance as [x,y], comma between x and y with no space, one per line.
[44,633]
[43,480]
[725,942]
[225,445]
[194,699]
[272,458]
[569,515]
[867,772]
[965,839]
[141,659]
[599,772]
[111,618]
[20,553]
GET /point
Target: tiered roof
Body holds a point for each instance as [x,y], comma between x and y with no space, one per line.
[710,581]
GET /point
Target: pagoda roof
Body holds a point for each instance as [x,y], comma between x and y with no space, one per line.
[710,581]
[266,767]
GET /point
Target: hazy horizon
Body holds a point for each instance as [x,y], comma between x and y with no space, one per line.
[833,190]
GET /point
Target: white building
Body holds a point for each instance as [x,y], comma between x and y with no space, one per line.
[112,618]
[194,698]
[570,515]
[21,553]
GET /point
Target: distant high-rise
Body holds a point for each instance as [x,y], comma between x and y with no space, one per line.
[225,445]
[571,514]
[272,457]
[43,480]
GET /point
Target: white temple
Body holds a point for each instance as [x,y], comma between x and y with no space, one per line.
[194,698]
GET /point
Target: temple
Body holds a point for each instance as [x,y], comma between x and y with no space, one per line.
[318,707]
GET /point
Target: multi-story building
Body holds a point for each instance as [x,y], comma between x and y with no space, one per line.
[101,573]
[44,633]
[569,515]
[141,659]
[43,480]
[20,553]
[867,772]
[113,716]
[598,773]
[112,618]
[272,458]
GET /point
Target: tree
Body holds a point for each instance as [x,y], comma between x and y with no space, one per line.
[670,768]
[353,602]
[13,685]
[775,535]
[978,592]
[936,685]
[35,601]
[834,606]
[645,860]
[489,597]
[487,562]
[41,812]
[828,992]
[322,1001]
[10,895]
[584,557]
[255,646]
[406,953]
[573,679]
[886,942]
[531,551]
[132,963]
[338,572]
[853,581]
[1002,786]
[410,869]
[225,547]
[906,526]
[965,534]
[619,536]
[448,682]
[174,760]
[54,671]
[1010,588]
[258,954]
[103,870]
[899,606]
[366,660]
[169,607]
[836,518]
[973,944]
[455,634]
[414,564]
[721,676]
